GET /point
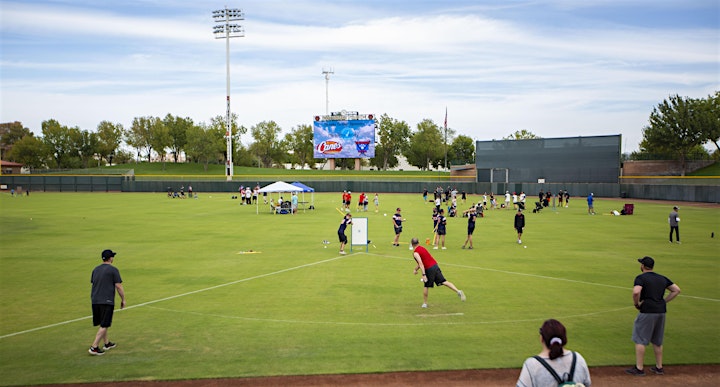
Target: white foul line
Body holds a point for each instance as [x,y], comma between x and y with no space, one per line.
[179,295]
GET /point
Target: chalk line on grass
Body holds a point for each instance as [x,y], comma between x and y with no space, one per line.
[542,276]
[359,323]
[180,295]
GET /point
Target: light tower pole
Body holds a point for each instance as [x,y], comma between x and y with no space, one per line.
[226,30]
[327,73]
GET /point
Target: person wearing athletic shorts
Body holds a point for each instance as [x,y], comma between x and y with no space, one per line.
[347,219]
[397,220]
[441,229]
[431,273]
[472,216]
[649,327]
[105,281]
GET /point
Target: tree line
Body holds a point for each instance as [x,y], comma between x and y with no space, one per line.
[677,129]
[170,138]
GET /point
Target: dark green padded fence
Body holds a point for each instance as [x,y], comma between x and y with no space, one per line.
[95,183]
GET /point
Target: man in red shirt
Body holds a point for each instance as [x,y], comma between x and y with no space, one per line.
[431,273]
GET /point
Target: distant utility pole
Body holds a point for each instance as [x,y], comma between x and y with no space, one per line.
[327,73]
[226,30]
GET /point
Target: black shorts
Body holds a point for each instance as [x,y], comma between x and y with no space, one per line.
[470,230]
[434,276]
[441,231]
[102,315]
[519,229]
[398,230]
[342,237]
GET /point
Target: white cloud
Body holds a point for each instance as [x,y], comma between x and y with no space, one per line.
[496,69]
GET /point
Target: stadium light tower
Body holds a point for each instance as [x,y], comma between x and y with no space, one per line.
[224,29]
[327,73]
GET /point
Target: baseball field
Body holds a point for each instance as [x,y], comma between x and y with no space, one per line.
[216,289]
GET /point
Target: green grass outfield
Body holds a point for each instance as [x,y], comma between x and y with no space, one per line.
[200,308]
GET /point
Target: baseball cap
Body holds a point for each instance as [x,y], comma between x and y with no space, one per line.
[647,262]
[676,208]
[107,254]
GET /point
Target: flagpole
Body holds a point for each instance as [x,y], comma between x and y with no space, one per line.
[445,138]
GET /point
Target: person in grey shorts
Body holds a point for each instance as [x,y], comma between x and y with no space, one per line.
[649,327]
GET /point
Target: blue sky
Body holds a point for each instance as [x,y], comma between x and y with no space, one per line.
[556,67]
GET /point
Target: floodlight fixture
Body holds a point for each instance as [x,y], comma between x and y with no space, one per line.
[226,30]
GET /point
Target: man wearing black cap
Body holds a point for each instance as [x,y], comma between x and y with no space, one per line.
[105,281]
[649,327]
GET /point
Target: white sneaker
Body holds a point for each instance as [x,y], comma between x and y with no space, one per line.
[519,241]
[343,253]
[424,306]
[444,248]
[435,248]
[461,294]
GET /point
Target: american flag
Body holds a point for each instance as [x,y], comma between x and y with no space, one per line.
[446,118]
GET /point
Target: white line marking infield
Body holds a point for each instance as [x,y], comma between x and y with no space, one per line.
[351,323]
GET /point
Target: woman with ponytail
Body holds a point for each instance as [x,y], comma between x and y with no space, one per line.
[554,364]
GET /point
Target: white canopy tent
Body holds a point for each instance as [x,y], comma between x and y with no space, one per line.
[277,187]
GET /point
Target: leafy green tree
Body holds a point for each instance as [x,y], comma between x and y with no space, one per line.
[204,144]
[462,150]
[60,143]
[243,157]
[177,129]
[675,128]
[10,133]
[88,146]
[267,147]
[426,146]
[109,138]
[710,120]
[300,142]
[159,137]
[523,134]
[30,151]
[393,138]
[219,125]
[139,135]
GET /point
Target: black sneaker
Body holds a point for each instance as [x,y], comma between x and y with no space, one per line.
[658,371]
[635,371]
[96,351]
[109,345]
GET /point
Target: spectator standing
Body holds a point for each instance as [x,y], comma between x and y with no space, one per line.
[674,220]
[293,203]
[519,225]
[566,365]
[507,199]
[105,281]
[649,327]
[560,198]
[472,216]
[590,200]
[376,200]
[430,270]
[397,220]
[441,229]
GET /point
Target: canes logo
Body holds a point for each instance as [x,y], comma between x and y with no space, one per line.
[329,147]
